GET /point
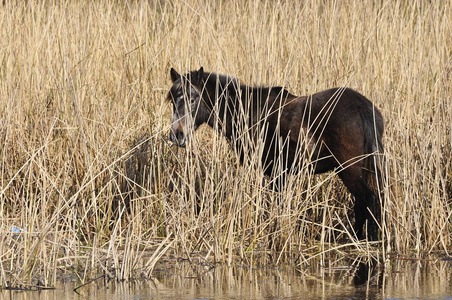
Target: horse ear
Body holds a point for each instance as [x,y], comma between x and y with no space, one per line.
[200,75]
[174,75]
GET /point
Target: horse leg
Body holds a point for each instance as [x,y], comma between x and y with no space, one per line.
[365,201]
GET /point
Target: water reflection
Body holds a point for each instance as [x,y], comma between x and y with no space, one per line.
[358,279]
[367,272]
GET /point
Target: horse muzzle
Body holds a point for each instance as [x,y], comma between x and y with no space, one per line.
[177,137]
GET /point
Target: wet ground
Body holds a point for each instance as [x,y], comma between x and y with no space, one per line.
[400,278]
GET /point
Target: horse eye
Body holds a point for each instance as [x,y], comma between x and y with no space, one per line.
[179,98]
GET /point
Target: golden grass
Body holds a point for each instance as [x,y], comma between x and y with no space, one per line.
[84,129]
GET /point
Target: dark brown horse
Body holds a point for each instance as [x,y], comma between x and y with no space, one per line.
[337,129]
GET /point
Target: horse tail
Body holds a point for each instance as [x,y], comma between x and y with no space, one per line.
[373,147]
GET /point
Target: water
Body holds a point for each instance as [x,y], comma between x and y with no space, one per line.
[400,279]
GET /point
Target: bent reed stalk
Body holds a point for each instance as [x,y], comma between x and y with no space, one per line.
[90,184]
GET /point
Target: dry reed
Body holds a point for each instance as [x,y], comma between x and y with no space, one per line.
[89,182]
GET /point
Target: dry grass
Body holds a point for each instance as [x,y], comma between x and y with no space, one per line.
[84,126]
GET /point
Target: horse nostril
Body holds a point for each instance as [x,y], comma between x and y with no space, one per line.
[179,135]
[180,138]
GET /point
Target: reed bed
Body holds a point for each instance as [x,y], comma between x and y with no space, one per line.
[90,183]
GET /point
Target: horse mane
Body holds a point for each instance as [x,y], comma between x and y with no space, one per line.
[233,86]
[232,83]
[279,91]
[224,80]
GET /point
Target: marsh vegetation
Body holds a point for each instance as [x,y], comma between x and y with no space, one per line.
[91,184]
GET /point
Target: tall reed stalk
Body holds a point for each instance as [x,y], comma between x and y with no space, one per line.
[90,184]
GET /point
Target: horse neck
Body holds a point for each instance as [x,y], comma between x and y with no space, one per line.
[236,108]
[226,107]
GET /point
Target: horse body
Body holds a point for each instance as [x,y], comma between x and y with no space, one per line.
[336,129]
